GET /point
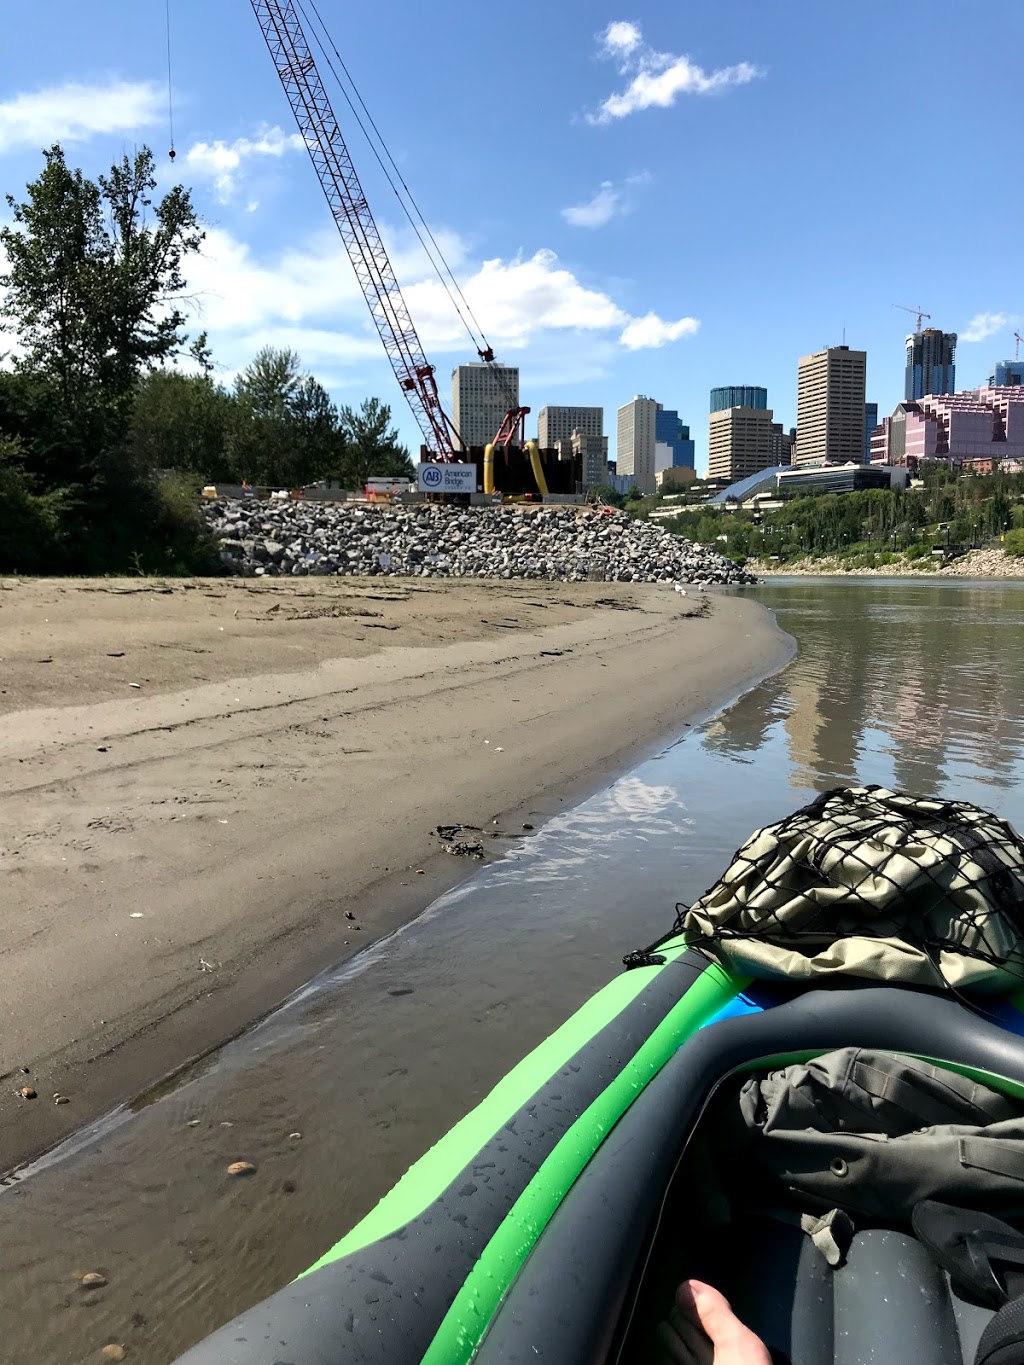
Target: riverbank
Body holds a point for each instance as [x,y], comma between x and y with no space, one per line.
[974,564]
[211,790]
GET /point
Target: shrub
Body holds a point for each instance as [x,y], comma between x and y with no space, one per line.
[1013,542]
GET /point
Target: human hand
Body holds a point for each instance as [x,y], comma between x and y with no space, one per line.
[702,1329]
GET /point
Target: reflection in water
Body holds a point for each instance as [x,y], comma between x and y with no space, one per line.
[918,686]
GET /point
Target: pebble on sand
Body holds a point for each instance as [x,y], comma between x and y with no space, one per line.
[27,1093]
[92,1279]
[114,1352]
[240,1168]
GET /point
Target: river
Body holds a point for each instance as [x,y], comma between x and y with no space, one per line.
[914,685]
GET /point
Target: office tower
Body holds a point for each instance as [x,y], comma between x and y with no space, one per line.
[556,424]
[636,441]
[739,396]
[481,395]
[830,406]
[930,367]
[741,441]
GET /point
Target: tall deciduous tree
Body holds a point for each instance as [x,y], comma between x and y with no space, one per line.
[95,281]
[93,295]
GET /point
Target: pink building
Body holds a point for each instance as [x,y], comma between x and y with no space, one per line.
[982,424]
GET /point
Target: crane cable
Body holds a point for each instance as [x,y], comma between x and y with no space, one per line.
[479,335]
[170,87]
[476,337]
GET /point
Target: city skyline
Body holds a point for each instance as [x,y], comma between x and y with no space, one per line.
[581,283]
[927,355]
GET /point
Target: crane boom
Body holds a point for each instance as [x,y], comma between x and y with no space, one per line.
[304,88]
[918,311]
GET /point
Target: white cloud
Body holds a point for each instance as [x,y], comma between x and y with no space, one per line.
[222,161]
[621,38]
[651,332]
[514,300]
[605,204]
[659,78]
[75,112]
[984,325]
[609,202]
[307,297]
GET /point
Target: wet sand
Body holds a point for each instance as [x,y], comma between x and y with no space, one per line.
[210,791]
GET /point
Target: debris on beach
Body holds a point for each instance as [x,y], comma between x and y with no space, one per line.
[461,840]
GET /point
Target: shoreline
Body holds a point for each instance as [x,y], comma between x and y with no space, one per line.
[988,565]
[178,863]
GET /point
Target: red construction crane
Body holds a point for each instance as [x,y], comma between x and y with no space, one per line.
[296,68]
[916,311]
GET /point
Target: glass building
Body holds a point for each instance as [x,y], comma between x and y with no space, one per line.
[739,396]
[1008,372]
[870,422]
[930,367]
[670,431]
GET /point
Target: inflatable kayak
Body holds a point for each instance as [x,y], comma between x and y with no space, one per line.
[809,1093]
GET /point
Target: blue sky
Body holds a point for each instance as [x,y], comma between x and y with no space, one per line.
[645,199]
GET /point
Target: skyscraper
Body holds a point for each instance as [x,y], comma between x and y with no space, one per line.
[870,422]
[556,424]
[830,406]
[1008,372]
[783,442]
[739,396]
[930,367]
[670,431]
[592,453]
[481,395]
[636,441]
[741,441]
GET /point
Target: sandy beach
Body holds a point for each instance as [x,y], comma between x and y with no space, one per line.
[211,790]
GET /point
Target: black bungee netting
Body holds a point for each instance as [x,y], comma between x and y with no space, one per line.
[871,883]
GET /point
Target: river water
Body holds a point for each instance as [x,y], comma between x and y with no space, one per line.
[914,685]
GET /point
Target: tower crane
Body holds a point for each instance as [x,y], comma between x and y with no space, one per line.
[1017,338]
[289,48]
[919,313]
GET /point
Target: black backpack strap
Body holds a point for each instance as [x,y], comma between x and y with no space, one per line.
[983,1256]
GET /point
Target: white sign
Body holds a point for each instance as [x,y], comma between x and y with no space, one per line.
[446,478]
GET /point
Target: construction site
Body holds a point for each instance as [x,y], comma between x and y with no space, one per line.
[509,465]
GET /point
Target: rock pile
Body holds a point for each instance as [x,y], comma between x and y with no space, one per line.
[570,544]
[985,564]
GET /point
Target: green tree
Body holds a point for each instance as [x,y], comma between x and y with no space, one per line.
[30,523]
[372,445]
[285,429]
[182,421]
[94,295]
[95,283]
[606,493]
